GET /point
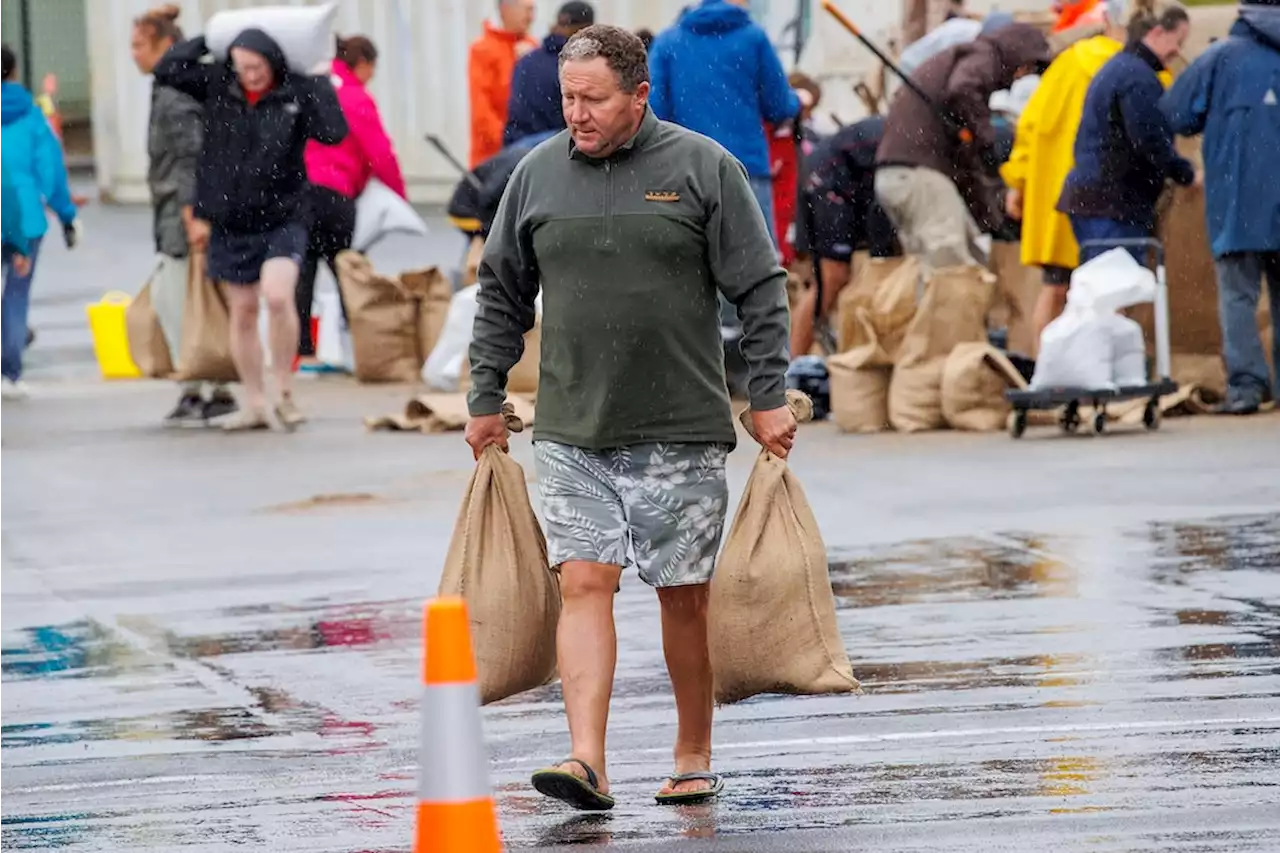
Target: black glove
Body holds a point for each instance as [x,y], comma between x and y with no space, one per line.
[70,233]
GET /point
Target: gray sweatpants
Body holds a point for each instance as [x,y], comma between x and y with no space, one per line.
[932,220]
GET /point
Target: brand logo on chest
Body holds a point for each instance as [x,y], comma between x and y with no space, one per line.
[661,195]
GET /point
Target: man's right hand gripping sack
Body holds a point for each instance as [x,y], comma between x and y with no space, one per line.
[498,562]
[772,614]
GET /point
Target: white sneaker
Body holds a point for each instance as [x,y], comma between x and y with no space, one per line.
[11,390]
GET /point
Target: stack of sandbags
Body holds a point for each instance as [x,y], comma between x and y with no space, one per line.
[395,322]
[874,313]
[952,311]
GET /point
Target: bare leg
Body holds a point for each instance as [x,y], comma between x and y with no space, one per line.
[246,348]
[684,644]
[279,278]
[802,321]
[836,275]
[1049,306]
[586,652]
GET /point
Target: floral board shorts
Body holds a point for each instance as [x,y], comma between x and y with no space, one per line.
[658,507]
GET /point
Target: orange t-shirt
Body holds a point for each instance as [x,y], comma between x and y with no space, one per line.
[489,67]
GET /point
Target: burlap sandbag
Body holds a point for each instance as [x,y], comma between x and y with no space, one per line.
[953,311]
[523,378]
[974,379]
[894,303]
[869,276]
[431,290]
[497,561]
[383,320]
[1017,290]
[147,344]
[205,353]
[772,613]
[860,382]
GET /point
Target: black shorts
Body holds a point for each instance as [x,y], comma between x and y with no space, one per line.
[837,227]
[1055,276]
[238,258]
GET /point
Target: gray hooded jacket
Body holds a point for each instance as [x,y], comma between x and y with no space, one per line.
[174,139]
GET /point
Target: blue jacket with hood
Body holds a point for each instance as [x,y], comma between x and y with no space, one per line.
[1231,94]
[33,160]
[715,72]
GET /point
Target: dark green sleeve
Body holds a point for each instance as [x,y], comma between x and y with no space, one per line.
[744,264]
[508,278]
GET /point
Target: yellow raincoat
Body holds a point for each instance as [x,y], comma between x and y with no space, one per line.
[1044,150]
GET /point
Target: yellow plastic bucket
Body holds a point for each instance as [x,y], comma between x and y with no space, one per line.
[111,336]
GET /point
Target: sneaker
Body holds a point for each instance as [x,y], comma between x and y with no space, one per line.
[14,390]
[31,338]
[190,407]
[219,405]
[1245,401]
[289,415]
[248,420]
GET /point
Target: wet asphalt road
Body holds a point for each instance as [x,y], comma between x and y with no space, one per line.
[212,643]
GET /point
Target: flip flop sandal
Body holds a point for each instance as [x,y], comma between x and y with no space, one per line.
[685,798]
[566,787]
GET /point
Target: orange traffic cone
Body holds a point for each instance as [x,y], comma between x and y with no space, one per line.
[455,803]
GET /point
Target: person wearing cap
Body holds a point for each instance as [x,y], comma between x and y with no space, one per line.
[935,167]
[534,107]
[490,64]
[1124,149]
[1043,157]
[1231,94]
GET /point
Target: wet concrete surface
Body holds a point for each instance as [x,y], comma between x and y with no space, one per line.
[212,643]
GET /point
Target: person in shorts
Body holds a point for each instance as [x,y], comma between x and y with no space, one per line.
[634,422]
[251,194]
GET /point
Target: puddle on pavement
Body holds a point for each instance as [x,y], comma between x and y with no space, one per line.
[943,571]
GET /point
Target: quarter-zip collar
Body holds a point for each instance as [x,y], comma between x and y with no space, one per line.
[642,137]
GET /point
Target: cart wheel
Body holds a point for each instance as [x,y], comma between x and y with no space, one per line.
[1019,425]
[1151,415]
[1070,418]
[1100,423]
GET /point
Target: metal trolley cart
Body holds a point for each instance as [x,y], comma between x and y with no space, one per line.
[1070,399]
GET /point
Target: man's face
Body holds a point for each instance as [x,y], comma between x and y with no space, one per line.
[1167,44]
[517,15]
[601,117]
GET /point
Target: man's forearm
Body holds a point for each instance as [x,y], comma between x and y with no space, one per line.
[765,330]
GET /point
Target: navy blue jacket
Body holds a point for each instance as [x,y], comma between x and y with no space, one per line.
[1231,94]
[534,106]
[1124,147]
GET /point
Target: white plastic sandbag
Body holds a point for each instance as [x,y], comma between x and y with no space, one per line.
[304,33]
[1111,282]
[379,212]
[443,367]
[333,344]
[1075,352]
[1128,351]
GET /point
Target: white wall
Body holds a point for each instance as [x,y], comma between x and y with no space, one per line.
[421,86]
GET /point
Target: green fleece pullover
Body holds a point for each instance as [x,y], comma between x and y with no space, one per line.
[629,252]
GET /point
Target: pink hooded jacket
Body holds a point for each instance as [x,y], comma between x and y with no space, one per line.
[365,153]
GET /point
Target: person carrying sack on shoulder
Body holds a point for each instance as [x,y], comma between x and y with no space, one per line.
[634,422]
[252,192]
[175,135]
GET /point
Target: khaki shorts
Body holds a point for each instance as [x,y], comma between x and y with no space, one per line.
[658,507]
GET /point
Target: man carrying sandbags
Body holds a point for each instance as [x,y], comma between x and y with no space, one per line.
[935,168]
[631,227]
[1231,94]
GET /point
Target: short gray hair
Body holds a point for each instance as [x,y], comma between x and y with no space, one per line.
[621,50]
